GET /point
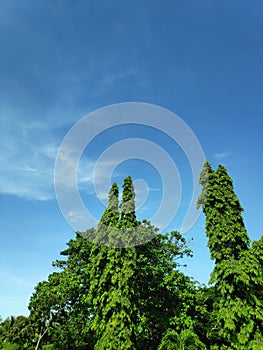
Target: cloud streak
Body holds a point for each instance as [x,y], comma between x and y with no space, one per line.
[221,155]
[28,159]
[28,155]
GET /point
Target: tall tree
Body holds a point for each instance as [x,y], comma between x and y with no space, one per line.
[112,269]
[109,295]
[235,316]
[224,223]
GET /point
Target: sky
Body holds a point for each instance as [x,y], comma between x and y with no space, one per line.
[61,61]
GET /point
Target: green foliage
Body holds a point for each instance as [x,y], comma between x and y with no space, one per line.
[162,288]
[119,286]
[17,331]
[111,295]
[115,298]
[110,217]
[205,180]
[185,340]
[128,215]
[9,346]
[48,347]
[237,276]
[224,223]
[112,269]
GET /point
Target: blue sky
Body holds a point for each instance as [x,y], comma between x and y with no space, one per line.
[59,61]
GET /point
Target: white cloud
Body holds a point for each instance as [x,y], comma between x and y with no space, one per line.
[29,145]
[109,81]
[27,157]
[76,217]
[221,155]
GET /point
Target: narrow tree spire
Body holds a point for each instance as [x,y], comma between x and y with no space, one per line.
[206,173]
[112,292]
[111,215]
[228,242]
[225,229]
[231,233]
[128,215]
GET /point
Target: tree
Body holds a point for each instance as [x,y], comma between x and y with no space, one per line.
[58,313]
[112,269]
[16,333]
[44,307]
[236,306]
[224,223]
[72,330]
[136,292]
[113,294]
[5,329]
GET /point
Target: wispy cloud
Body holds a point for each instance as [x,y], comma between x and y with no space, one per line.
[221,155]
[95,178]
[76,217]
[28,159]
[28,152]
[110,81]
[29,146]
[16,281]
[27,167]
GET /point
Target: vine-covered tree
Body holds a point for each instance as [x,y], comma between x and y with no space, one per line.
[237,308]
[112,294]
[120,286]
[111,289]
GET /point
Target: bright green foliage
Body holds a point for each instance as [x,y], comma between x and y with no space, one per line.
[115,298]
[237,303]
[10,346]
[224,223]
[111,290]
[128,215]
[166,295]
[110,217]
[114,322]
[113,293]
[186,339]
[111,297]
[106,234]
[205,180]
[257,343]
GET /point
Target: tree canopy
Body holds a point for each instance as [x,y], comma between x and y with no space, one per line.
[121,286]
